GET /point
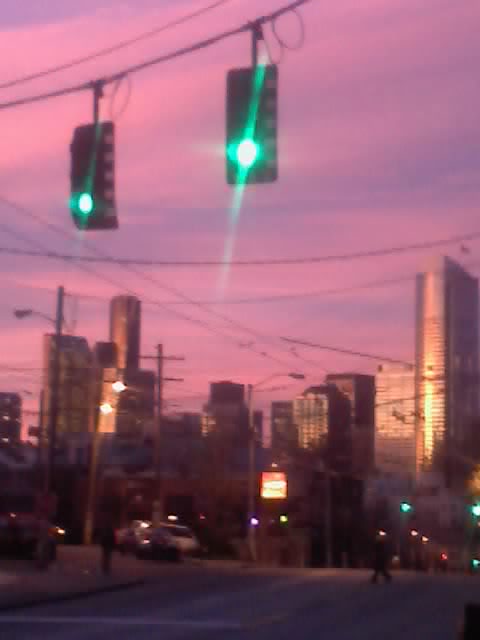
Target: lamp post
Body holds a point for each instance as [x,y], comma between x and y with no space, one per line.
[252,522]
[106,409]
[55,379]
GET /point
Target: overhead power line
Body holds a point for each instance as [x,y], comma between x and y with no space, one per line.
[360,354]
[123,44]
[341,257]
[150,62]
[121,286]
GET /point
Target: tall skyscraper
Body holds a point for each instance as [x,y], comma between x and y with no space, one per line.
[360,391]
[395,440]
[322,416]
[446,385]
[74,390]
[125,313]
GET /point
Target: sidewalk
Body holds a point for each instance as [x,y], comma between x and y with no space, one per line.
[76,573]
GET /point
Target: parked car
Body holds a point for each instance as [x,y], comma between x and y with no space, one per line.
[158,544]
[21,528]
[184,539]
[128,539]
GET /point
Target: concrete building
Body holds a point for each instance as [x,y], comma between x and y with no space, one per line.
[446,386]
[10,417]
[75,384]
[125,319]
[360,391]
[395,439]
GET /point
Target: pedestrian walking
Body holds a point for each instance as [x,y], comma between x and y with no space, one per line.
[107,543]
[381,558]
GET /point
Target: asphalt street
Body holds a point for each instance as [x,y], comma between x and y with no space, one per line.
[258,605]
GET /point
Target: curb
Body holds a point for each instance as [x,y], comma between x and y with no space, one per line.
[70,596]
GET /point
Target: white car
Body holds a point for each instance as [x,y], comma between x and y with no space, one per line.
[184,538]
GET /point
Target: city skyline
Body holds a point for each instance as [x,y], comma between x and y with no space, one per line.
[386,159]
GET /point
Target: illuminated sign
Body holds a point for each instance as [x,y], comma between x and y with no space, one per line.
[274,485]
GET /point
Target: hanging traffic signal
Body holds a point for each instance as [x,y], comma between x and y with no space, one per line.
[475,509]
[92,178]
[251,141]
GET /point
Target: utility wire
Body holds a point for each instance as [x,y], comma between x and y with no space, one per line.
[121,286]
[349,352]
[146,64]
[267,262]
[153,280]
[123,44]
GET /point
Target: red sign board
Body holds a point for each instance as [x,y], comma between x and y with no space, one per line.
[274,485]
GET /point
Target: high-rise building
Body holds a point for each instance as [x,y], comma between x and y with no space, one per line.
[283,429]
[360,391]
[395,439]
[310,414]
[322,416]
[74,384]
[125,313]
[446,386]
[226,412]
[10,416]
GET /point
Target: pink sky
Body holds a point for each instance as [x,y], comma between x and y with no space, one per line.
[378,147]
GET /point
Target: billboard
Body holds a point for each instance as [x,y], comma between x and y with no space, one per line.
[274,485]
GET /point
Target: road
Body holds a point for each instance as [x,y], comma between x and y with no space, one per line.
[195,604]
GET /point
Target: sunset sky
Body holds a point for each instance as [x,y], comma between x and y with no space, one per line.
[379,147]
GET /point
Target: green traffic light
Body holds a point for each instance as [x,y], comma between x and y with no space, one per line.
[405,507]
[85,203]
[476,510]
[247,153]
[475,563]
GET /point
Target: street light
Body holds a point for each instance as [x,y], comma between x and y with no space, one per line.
[118,386]
[54,368]
[106,408]
[251,457]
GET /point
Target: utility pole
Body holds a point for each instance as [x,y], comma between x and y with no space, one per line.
[96,384]
[157,507]
[328,518]
[54,393]
[252,547]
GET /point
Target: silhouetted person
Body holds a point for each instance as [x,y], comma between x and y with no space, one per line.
[107,542]
[381,559]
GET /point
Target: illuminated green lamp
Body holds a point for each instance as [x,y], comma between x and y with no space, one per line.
[476,510]
[245,154]
[405,507]
[85,203]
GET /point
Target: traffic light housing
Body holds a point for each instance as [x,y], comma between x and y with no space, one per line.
[92,177]
[251,137]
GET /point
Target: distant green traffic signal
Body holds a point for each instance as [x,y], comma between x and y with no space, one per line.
[475,563]
[475,509]
[406,507]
